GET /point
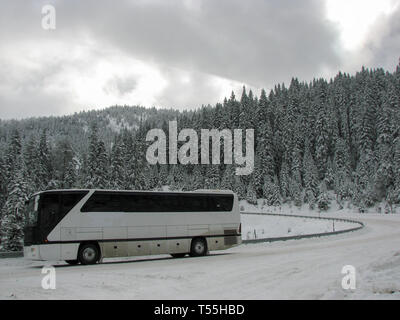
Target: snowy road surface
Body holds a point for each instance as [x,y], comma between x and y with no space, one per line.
[297,269]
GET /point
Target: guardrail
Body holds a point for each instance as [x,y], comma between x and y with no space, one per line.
[313,235]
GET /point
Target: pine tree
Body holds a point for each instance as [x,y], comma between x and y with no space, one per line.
[284,182]
[12,221]
[251,195]
[385,131]
[97,162]
[228,178]
[342,168]
[271,191]
[323,199]
[12,153]
[364,193]
[44,173]
[311,180]
[117,165]
[212,179]
[322,142]
[396,160]
[70,177]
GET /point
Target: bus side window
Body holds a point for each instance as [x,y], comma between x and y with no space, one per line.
[69,200]
[222,203]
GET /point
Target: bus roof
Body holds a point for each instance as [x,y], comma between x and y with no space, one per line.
[138,191]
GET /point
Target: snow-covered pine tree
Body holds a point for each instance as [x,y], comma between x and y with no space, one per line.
[228,178]
[13,151]
[12,220]
[63,155]
[31,161]
[311,181]
[384,151]
[129,159]
[45,169]
[212,179]
[271,191]
[342,169]
[70,177]
[97,166]
[364,193]
[284,180]
[322,130]
[395,196]
[117,168]
[323,200]
[2,183]
[251,195]
[295,186]
[162,175]
[240,187]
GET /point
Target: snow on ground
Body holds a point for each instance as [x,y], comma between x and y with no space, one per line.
[295,269]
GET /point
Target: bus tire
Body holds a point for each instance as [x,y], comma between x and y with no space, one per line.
[89,254]
[198,247]
[72,262]
[178,255]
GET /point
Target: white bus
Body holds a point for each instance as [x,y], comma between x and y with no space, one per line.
[84,226]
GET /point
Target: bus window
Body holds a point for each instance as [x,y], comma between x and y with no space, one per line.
[222,203]
[49,209]
[195,203]
[69,200]
[104,202]
[141,202]
[31,212]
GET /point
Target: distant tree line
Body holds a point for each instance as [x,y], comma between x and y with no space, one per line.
[312,140]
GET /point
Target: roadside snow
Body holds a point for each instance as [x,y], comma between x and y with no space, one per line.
[264,226]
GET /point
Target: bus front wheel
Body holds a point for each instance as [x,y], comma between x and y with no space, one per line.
[88,254]
[198,247]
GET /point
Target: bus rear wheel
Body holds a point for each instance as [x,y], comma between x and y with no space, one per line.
[198,247]
[72,262]
[88,254]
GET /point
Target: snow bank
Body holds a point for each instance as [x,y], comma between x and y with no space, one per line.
[265,226]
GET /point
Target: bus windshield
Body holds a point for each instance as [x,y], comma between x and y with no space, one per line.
[31,212]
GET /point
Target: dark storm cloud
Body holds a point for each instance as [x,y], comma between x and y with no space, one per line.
[257,43]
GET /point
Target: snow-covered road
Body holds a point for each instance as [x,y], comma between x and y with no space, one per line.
[297,269]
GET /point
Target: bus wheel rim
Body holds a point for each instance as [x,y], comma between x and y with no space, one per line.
[199,247]
[89,254]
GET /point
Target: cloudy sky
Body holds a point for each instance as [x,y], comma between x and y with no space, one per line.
[181,54]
